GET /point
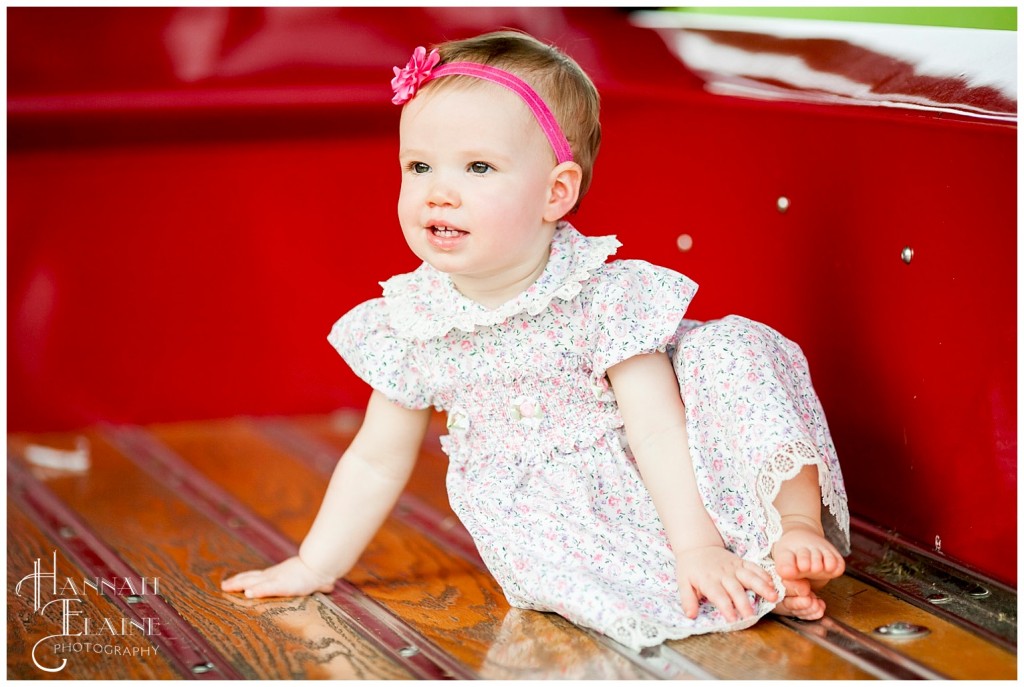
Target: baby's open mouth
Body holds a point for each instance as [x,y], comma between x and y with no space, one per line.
[446,232]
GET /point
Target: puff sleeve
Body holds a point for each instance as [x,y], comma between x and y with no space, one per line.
[366,341]
[636,308]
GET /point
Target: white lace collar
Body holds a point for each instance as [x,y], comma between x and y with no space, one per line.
[424,304]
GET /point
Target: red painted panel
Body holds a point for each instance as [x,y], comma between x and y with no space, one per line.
[179,249]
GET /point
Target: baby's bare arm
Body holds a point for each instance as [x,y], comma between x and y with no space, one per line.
[655,420]
[362,491]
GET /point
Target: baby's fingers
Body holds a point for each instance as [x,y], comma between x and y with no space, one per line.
[720,597]
[238,583]
[757,580]
[258,584]
[739,599]
[269,587]
[690,599]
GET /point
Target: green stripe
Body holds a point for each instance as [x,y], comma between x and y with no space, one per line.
[1002,18]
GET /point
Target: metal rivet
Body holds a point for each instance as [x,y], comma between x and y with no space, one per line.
[902,630]
[978,592]
[782,204]
[684,242]
[938,598]
[234,522]
[407,651]
[201,668]
[66,532]
[907,255]
[133,599]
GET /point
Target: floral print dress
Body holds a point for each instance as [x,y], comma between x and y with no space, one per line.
[540,472]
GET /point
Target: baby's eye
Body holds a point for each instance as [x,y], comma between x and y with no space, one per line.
[419,167]
[480,168]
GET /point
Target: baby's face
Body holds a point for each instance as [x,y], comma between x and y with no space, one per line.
[476,174]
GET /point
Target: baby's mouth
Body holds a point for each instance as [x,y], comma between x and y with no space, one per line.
[445,232]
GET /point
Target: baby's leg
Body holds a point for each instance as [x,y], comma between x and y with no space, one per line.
[804,558]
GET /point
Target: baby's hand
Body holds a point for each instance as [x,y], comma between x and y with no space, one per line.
[291,577]
[723,578]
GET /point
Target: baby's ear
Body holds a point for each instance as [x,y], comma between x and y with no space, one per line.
[564,190]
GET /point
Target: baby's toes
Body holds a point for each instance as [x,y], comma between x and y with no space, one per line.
[798,604]
[834,564]
[786,563]
[815,562]
[802,607]
[795,606]
[803,561]
[815,611]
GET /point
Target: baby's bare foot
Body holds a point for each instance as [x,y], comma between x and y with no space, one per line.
[805,561]
[803,553]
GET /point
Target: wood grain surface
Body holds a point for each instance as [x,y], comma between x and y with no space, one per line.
[137,657]
[948,649]
[159,536]
[766,651]
[441,595]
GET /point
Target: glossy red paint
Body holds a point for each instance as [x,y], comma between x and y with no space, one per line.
[177,181]
[882,76]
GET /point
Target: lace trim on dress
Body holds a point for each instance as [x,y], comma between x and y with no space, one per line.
[637,633]
[424,304]
[784,466]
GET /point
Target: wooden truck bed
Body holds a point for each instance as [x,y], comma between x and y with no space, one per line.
[175,508]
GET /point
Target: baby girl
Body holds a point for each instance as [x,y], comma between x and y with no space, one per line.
[642,474]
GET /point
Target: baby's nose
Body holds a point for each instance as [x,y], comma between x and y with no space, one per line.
[443,193]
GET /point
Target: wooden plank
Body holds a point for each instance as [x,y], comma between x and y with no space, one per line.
[766,651]
[136,595]
[860,649]
[918,575]
[160,537]
[136,656]
[948,649]
[454,604]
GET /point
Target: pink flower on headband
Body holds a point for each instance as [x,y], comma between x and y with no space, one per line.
[409,78]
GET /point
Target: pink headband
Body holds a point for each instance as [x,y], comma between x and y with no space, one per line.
[420,70]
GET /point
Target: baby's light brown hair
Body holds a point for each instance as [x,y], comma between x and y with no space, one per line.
[565,87]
